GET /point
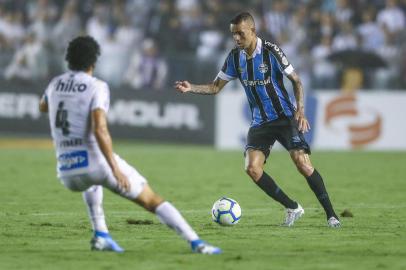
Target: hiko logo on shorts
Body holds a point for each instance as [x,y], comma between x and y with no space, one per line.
[73,160]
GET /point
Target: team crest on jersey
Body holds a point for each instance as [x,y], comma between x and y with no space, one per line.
[240,70]
[263,68]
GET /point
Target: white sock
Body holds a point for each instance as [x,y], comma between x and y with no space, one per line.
[170,216]
[93,198]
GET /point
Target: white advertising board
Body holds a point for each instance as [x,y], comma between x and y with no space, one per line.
[232,120]
[365,120]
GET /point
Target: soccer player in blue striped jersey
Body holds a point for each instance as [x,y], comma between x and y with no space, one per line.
[260,66]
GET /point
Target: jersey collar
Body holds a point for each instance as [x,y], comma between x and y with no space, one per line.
[257,50]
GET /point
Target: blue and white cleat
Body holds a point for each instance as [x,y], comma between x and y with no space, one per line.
[103,242]
[199,246]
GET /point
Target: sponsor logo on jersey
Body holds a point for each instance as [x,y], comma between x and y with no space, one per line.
[257,82]
[73,160]
[263,68]
[70,86]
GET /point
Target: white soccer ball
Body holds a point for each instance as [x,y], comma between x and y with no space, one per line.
[226,211]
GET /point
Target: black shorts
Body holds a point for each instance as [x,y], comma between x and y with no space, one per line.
[284,130]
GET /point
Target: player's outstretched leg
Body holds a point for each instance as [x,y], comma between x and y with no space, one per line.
[101,241]
[316,183]
[171,217]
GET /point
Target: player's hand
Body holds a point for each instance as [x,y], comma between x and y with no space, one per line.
[122,180]
[183,86]
[302,122]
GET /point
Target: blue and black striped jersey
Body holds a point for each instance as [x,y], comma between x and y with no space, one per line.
[261,75]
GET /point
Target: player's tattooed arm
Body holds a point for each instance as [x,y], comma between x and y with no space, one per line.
[298,91]
[203,89]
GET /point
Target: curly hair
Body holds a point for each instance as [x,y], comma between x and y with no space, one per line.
[82,53]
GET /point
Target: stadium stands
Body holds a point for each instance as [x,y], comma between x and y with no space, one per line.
[192,36]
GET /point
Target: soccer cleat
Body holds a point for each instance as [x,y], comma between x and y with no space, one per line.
[199,246]
[333,222]
[103,242]
[292,215]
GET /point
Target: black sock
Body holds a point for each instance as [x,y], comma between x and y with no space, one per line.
[316,183]
[267,184]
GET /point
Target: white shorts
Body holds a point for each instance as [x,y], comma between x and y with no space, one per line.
[104,176]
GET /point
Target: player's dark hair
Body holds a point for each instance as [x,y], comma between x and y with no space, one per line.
[82,53]
[243,16]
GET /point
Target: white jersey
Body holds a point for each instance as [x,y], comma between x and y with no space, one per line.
[71,98]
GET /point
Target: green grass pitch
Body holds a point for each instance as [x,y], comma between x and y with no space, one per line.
[45,226]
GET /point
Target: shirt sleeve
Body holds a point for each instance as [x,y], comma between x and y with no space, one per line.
[283,61]
[228,71]
[101,97]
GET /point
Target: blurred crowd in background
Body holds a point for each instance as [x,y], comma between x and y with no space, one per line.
[147,44]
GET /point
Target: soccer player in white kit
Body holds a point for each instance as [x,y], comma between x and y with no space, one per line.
[77,104]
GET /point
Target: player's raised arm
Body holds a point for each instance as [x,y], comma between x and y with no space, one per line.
[102,134]
[303,124]
[203,89]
